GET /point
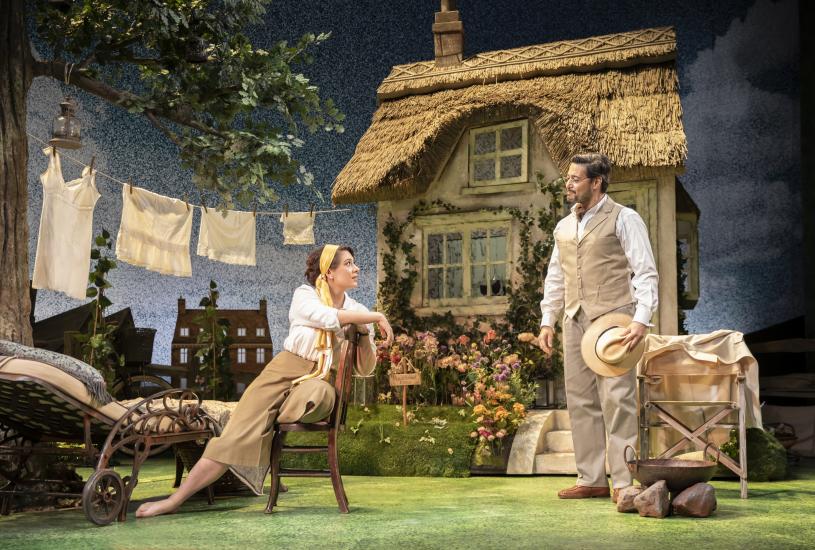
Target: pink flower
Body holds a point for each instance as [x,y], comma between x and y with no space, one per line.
[463,339]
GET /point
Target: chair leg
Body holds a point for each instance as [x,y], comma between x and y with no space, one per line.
[179,471]
[742,439]
[334,468]
[5,500]
[277,450]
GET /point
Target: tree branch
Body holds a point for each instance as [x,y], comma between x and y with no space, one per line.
[56,70]
[164,130]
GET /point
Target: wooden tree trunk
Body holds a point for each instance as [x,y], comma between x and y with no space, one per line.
[15,79]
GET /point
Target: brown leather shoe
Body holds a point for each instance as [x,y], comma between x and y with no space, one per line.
[579,491]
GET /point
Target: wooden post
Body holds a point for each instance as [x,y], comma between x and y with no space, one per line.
[404,406]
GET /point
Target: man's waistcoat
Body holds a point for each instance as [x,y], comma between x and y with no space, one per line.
[596,273]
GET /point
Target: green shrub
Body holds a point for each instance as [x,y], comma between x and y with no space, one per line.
[435,443]
[766,457]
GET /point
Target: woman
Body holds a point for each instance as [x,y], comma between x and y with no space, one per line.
[317,312]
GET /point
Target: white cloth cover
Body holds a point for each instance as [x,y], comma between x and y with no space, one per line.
[699,367]
[64,240]
[298,228]
[227,238]
[155,232]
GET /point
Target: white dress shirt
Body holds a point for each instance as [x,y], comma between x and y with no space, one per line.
[633,236]
[307,314]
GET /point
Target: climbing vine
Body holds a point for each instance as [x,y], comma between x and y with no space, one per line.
[535,227]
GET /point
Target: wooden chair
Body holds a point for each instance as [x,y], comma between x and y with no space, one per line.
[331,425]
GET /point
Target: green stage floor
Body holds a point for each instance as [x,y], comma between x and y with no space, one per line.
[389,512]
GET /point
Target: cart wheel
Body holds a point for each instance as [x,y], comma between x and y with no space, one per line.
[103,497]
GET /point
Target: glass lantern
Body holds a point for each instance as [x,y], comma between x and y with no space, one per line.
[65,131]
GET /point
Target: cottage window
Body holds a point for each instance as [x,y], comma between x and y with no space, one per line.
[260,332]
[241,331]
[183,355]
[465,263]
[498,154]
[184,331]
[241,355]
[260,356]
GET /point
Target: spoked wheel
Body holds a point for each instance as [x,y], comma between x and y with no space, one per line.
[103,497]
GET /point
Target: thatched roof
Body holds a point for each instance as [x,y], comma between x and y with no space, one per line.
[616,93]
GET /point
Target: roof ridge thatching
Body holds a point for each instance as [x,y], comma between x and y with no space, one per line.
[633,115]
[618,50]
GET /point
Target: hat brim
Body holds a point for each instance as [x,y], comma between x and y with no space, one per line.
[588,345]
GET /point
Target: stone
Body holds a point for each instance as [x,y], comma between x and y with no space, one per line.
[654,502]
[697,501]
[625,498]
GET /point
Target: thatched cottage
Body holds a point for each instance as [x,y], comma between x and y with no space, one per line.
[475,132]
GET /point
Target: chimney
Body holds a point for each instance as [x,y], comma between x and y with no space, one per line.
[448,35]
[262,308]
[182,305]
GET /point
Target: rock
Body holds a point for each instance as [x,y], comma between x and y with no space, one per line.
[697,501]
[625,498]
[654,501]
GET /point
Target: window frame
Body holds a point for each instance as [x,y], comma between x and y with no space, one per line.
[260,331]
[241,331]
[497,154]
[465,223]
[184,331]
[240,356]
[183,356]
[260,356]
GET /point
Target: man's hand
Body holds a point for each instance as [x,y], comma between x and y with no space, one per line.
[546,339]
[633,333]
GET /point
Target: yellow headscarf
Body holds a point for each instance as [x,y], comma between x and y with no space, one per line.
[323,343]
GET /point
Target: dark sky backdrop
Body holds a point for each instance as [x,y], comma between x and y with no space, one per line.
[738,71]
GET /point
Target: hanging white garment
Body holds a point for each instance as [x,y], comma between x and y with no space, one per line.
[64,240]
[155,232]
[298,228]
[229,239]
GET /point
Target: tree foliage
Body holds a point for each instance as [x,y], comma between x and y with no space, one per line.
[235,111]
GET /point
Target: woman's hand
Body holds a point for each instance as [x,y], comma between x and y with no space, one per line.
[385,329]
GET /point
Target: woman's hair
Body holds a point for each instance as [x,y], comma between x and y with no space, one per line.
[313,262]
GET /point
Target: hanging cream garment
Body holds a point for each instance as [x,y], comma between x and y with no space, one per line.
[64,240]
[229,239]
[155,232]
[298,228]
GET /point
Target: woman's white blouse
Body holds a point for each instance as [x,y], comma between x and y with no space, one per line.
[308,313]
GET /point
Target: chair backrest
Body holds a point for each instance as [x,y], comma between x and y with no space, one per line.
[342,381]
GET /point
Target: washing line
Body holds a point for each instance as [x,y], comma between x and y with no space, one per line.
[123,183]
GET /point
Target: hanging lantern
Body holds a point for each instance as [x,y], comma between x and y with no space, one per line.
[65,132]
[197,51]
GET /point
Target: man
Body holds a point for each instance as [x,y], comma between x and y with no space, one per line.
[601,262]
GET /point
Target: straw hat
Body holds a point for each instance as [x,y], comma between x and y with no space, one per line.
[601,348]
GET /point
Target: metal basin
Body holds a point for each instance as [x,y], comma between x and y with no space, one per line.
[678,474]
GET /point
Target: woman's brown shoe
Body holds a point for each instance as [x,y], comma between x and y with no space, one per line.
[579,491]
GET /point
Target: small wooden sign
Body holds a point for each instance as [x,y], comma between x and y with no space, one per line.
[407,379]
[404,374]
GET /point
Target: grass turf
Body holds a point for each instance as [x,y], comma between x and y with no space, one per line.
[420,512]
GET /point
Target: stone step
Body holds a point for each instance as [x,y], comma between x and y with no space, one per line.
[562,421]
[559,441]
[555,463]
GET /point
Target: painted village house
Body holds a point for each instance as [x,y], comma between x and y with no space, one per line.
[250,350]
[476,132]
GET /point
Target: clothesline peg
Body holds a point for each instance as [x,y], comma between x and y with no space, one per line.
[255,211]
[286,210]
[204,206]
[130,186]
[311,211]
[93,160]
[186,201]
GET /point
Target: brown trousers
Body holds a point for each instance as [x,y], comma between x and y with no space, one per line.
[247,438]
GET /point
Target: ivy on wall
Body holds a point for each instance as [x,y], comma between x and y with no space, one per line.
[401,271]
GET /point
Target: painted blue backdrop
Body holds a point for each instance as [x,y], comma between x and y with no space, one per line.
[738,70]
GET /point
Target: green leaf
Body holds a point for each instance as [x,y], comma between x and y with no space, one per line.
[95,254]
[90,292]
